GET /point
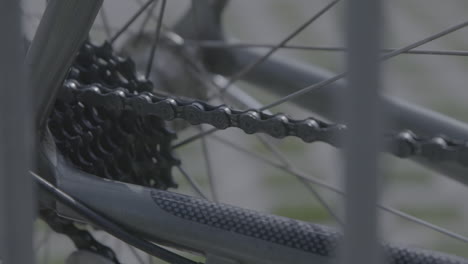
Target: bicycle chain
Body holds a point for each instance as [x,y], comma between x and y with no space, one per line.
[403,144]
[82,239]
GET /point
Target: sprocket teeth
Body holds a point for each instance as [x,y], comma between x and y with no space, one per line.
[115,145]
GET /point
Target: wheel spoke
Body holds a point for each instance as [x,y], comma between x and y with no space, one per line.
[337,190]
[242,45]
[287,164]
[105,22]
[131,20]
[192,182]
[382,58]
[149,14]
[423,223]
[156,38]
[197,70]
[106,27]
[274,150]
[194,137]
[209,168]
[254,64]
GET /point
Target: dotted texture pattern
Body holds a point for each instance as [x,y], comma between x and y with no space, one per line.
[291,233]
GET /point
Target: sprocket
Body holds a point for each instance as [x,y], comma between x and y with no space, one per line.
[120,146]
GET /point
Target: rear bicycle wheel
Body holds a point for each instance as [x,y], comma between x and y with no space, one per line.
[202,94]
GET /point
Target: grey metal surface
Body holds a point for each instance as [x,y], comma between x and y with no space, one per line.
[16,141]
[361,109]
[63,28]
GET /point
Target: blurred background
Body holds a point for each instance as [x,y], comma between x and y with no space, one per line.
[433,81]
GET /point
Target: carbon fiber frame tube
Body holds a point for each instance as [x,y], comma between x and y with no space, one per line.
[109,226]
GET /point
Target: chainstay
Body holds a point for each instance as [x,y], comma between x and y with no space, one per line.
[404,144]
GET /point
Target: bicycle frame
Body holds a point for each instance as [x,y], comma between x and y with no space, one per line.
[135,207]
[224,234]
